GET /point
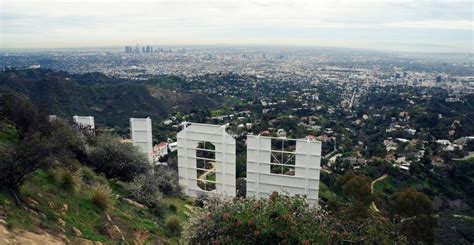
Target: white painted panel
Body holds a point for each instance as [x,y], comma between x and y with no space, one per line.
[260,182]
[84,121]
[140,129]
[188,140]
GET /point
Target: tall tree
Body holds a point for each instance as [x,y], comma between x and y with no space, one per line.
[413,211]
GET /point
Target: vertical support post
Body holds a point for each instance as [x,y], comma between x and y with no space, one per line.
[306,167]
[223,163]
[258,168]
[186,166]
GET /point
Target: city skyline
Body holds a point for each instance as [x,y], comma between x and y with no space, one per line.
[427,26]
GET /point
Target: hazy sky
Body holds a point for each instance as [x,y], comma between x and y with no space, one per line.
[415,25]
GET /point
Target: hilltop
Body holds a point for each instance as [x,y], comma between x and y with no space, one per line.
[110,100]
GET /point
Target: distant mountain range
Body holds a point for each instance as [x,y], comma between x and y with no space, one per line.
[111,101]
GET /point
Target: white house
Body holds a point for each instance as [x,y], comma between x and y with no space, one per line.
[173,146]
[84,121]
[160,150]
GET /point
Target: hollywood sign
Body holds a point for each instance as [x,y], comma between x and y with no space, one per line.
[207,160]
[206,163]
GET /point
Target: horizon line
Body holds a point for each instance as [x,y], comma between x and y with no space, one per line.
[381,50]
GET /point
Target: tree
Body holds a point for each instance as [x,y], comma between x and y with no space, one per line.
[39,143]
[241,165]
[413,211]
[117,159]
[17,110]
[172,160]
[340,166]
[358,188]
[32,152]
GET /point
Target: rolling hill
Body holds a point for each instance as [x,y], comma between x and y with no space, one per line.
[111,101]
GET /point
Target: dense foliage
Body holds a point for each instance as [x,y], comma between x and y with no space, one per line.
[43,175]
[117,159]
[167,181]
[38,142]
[409,212]
[279,219]
[414,213]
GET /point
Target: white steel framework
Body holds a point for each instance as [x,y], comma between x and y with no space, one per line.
[284,165]
[206,160]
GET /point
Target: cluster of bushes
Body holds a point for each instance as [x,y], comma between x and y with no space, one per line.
[149,188]
[351,216]
[278,220]
[116,159]
[42,143]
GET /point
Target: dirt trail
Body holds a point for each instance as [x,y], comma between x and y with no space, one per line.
[204,175]
[26,238]
[373,206]
[377,180]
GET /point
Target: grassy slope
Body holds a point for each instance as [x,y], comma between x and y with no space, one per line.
[8,134]
[325,193]
[83,213]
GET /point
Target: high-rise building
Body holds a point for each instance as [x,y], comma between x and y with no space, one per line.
[128,49]
[145,49]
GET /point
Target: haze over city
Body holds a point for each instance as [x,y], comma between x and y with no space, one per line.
[421,26]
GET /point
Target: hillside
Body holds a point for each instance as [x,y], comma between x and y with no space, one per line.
[49,208]
[111,101]
[65,184]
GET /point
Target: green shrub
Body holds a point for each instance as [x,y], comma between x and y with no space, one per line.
[168,181]
[117,160]
[90,177]
[201,200]
[190,201]
[173,226]
[71,181]
[173,207]
[145,190]
[158,209]
[68,180]
[101,196]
